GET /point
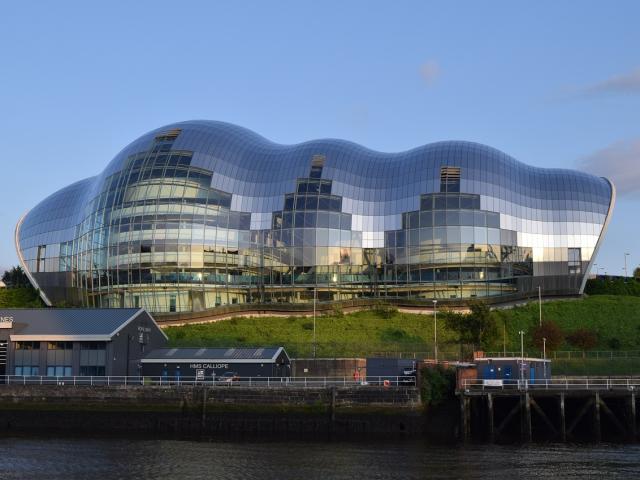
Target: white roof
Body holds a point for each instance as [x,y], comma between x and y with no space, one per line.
[517,359]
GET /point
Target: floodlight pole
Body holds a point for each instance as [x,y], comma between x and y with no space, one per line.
[435,330]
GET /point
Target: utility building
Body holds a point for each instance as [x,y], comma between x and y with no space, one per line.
[76,342]
[513,368]
[207,363]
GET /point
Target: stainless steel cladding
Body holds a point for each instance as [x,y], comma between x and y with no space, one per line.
[201,214]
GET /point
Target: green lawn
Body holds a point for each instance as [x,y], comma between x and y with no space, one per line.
[362,333]
[366,333]
[596,367]
[610,316]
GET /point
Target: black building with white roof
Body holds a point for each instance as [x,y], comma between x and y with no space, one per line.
[76,342]
[205,363]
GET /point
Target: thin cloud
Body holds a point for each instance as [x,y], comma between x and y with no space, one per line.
[430,71]
[619,162]
[625,83]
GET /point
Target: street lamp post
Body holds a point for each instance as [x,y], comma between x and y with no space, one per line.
[544,356]
[435,330]
[625,265]
[504,338]
[540,304]
[521,332]
[314,321]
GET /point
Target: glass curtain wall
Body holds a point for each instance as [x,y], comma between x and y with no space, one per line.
[204,214]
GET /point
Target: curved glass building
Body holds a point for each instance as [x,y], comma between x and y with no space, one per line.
[201,214]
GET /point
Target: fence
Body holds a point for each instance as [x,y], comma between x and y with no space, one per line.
[572,354]
[222,382]
[563,384]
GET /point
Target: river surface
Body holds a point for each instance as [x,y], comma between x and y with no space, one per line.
[93,459]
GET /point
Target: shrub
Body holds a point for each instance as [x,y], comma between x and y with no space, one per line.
[394,334]
[384,310]
[438,384]
[336,310]
[613,286]
[614,343]
[552,332]
[477,328]
[307,326]
[583,339]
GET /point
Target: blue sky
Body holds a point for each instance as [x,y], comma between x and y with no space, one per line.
[554,84]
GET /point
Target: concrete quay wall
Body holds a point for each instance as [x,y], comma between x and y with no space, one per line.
[212,411]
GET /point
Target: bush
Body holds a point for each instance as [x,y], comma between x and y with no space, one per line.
[583,339]
[477,328]
[336,310]
[552,332]
[614,343]
[438,384]
[384,310]
[613,286]
[307,326]
[20,297]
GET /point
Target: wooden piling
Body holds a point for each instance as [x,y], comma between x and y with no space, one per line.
[633,420]
[528,434]
[490,417]
[596,418]
[563,419]
[465,418]
[525,418]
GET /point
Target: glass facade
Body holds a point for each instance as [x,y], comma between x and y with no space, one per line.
[202,214]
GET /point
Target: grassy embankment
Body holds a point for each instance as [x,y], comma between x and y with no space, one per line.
[616,319]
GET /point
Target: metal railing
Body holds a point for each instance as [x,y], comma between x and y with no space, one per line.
[565,383]
[572,354]
[180,381]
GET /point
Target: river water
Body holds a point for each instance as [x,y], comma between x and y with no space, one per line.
[93,459]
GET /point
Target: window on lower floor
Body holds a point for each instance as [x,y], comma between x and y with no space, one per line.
[59,371]
[92,371]
[93,358]
[26,356]
[27,370]
[59,357]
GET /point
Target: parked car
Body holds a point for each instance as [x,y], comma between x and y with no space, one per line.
[229,377]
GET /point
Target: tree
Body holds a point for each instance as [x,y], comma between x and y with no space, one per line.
[636,273]
[553,334]
[478,327]
[16,278]
[583,338]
